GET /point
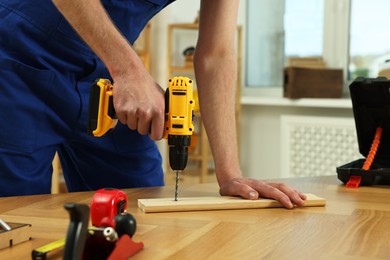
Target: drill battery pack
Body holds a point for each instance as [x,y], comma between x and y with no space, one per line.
[371,108]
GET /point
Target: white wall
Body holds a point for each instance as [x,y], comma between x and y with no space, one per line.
[261,140]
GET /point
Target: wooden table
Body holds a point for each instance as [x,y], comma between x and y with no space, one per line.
[355,224]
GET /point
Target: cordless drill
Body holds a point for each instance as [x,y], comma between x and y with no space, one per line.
[179,116]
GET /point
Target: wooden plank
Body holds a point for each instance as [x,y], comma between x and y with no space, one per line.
[216,203]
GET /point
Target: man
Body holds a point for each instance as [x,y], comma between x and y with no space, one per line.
[46,71]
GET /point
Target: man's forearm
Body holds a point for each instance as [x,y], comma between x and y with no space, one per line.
[216,75]
[90,20]
[217,101]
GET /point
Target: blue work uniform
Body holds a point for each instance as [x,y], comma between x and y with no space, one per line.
[46,71]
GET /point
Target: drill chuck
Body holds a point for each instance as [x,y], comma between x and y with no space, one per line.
[178,151]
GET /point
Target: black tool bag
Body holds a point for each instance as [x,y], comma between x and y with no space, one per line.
[371,108]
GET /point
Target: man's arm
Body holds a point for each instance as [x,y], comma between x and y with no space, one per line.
[216,76]
[138,100]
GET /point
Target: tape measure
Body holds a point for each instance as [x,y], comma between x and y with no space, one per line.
[40,253]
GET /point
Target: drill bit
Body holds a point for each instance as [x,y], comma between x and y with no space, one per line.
[177,184]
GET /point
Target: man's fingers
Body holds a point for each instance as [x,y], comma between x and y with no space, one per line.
[157,128]
[236,188]
[268,191]
[156,132]
[252,189]
[142,111]
[144,122]
[151,124]
[132,122]
[293,195]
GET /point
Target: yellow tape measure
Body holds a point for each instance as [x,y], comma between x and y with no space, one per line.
[40,252]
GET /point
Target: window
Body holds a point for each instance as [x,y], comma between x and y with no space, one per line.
[370,39]
[303,26]
[265,41]
[348,34]
[277,30]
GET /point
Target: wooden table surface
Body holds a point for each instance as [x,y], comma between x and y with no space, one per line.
[355,224]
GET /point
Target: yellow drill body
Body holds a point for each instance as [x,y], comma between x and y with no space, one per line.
[179,107]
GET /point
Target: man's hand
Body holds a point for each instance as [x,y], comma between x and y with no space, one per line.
[139,103]
[253,189]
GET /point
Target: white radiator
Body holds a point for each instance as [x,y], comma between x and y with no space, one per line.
[314,146]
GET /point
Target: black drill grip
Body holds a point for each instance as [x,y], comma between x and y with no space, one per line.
[93,111]
[178,151]
[77,231]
